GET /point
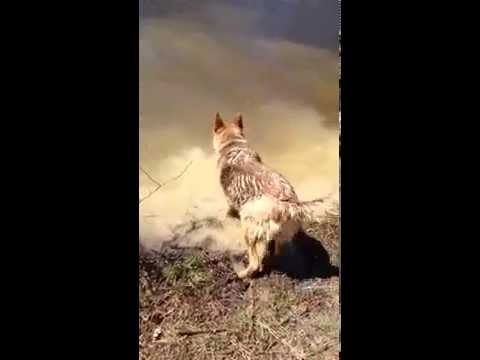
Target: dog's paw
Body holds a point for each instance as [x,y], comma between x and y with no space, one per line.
[242,274]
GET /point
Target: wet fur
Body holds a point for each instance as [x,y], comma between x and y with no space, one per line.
[265,202]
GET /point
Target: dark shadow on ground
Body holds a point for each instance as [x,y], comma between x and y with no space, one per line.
[304,258]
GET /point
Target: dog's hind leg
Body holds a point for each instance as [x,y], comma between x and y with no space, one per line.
[257,254]
[257,250]
[261,249]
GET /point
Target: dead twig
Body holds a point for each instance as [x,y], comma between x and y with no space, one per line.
[159,185]
[244,351]
[269,346]
[298,354]
[252,311]
[196,332]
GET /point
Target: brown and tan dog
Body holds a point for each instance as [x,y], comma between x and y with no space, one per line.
[266,203]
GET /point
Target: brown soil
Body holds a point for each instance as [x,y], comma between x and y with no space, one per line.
[192,306]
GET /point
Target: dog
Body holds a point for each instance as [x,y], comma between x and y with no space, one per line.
[265,202]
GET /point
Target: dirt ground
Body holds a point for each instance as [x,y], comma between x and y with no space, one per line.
[192,306]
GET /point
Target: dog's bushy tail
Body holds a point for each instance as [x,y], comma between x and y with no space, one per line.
[317,210]
[270,209]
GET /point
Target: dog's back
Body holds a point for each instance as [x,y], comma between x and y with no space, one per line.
[244,178]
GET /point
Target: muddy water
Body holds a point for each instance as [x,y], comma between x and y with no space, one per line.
[274,61]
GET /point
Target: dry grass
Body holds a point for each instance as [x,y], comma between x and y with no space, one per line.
[192,306]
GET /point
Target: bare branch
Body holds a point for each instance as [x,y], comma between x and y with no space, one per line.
[297,353]
[150,177]
[196,332]
[159,185]
[179,175]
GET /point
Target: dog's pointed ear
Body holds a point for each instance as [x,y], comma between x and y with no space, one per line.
[218,122]
[238,120]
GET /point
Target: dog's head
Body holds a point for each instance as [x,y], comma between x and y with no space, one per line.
[227,131]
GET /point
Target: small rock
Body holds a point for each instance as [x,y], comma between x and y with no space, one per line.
[156,333]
